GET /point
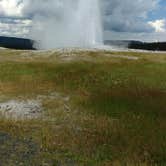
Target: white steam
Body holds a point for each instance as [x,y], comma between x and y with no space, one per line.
[66,23]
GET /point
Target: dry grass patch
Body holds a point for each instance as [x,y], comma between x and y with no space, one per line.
[111,110]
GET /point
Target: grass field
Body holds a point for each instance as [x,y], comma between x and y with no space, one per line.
[110,109]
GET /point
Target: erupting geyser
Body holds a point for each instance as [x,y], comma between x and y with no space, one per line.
[69,23]
[88,23]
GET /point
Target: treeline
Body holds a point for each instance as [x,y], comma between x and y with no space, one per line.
[156,46]
[132,44]
[16,43]
[27,44]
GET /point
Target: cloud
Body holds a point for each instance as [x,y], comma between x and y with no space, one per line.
[12,20]
[128,18]
[15,27]
[127,15]
[11,7]
[64,23]
[118,15]
[158,25]
[143,36]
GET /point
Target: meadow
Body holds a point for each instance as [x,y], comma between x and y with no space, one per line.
[109,108]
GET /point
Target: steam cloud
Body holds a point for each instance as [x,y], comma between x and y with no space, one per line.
[122,19]
[65,23]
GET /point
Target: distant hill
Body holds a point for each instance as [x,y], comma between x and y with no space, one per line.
[16,43]
[131,44]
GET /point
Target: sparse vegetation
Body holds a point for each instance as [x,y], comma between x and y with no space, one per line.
[110,110]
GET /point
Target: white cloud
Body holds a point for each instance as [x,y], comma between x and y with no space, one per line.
[158,25]
[11,7]
[12,22]
[128,15]
[123,19]
[15,27]
[147,37]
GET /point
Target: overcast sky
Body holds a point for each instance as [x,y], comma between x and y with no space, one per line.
[122,19]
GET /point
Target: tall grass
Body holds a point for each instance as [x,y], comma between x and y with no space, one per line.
[117,112]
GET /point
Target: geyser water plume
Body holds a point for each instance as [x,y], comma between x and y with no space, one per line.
[88,22]
[67,23]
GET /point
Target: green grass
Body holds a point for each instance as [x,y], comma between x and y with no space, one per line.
[117,110]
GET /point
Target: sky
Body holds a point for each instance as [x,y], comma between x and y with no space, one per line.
[122,19]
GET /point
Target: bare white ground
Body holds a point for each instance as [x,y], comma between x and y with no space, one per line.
[124,57]
[21,109]
[28,109]
[3,48]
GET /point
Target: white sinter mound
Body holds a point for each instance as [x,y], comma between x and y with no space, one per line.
[21,109]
